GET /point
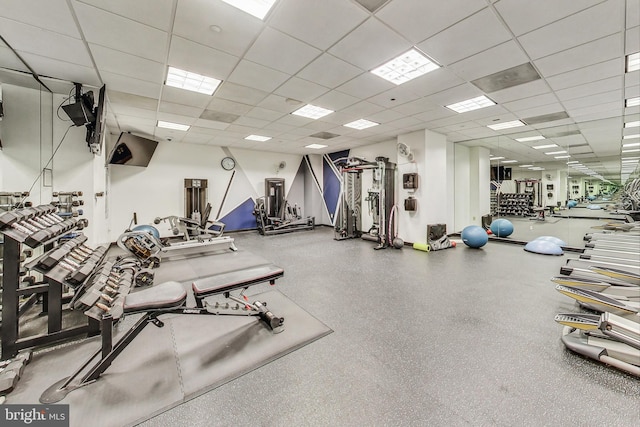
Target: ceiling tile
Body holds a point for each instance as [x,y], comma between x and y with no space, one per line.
[417,21]
[365,86]
[126,64]
[585,75]
[281,52]
[183,110]
[52,15]
[476,33]
[129,85]
[537,87]
[119,33]
[370,45]
[492,60]
[155,13]
[530,102]
[239,93]
[62,70]
[231,107]
[307,20]
[632,40]
[591,24]
[300,89]
[194,57]
[254,75]
[329,71]
[600,86]
[335,100]
[185,97]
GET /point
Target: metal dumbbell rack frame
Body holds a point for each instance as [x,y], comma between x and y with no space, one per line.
[20,227]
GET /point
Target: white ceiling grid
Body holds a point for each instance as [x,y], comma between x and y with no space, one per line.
[322,52]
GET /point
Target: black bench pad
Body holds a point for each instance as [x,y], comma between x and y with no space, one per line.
[236,279]
[165,295]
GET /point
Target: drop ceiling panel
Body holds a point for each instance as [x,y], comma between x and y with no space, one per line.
[51,15]
[126,64]
[463,39]
[395,96]
[254,75]
[185,97]
[527,90]
[183,110]
[155,13]
[598,99]
[523,16]
[585,75]
[307,20]
[523,104]
[579,57]
[329,71]
[29,39]
[591,24]
[281,52]
[491,61]
[9,60]
[129,85]
[62,70]
[335,100]
[264,114]
[300,89]
[365,85]
[278,103]
[239,93]
[593,88]
[120,110]
[228,107]
[237,29]
[203,123]
[18,79]
[133,101]
[194,57]
[433,82]
[122,34]
[370,45]
[632,40]
[633,14]
[417,20]
[362,109]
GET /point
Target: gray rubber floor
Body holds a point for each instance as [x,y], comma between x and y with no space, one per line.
[455,337]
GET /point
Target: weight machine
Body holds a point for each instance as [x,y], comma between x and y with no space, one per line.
[380,198]
[274,215]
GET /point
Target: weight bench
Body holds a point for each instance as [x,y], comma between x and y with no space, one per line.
[171,298]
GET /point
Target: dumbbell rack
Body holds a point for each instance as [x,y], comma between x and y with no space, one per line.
[67,203]
[34,227]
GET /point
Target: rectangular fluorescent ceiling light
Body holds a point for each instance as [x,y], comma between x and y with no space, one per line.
[551,153]
[175,126]
[632,124]
[361,124]
[636,135]
[630,160]
[572,161]
[536,168]
[525,166]
[258,138]
[316,146]
[530,138]
[506,125]
[191,81]
[633,150]
[562,157]
[496,158]
[631,144]
[312,112]
[471,104]
[540,147]
[510,161]
[257,8]
[633,62]
[405,67]
[632,102]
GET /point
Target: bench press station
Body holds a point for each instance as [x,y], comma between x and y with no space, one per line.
[169,298]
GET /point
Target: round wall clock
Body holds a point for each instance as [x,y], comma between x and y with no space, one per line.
[228,163]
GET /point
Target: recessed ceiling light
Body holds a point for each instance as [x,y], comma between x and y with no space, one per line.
[540,147]
[631,144]
[632,124]
[572,162]
[471,104]
[316,146]
[551,153]
[496,158]
[175,126]
[258,138]
[636,135]
[312,112]
[361,124]
[530,138]
[630,160]
[536,168]
[633,62]
[632,102]
[405,67]
[257,8]
[525,166]
[506,125]
[633,150]
[561,157]
[509,161]
[191,81]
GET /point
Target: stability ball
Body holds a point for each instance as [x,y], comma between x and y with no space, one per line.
[572,204]
[474,236]
[501,227]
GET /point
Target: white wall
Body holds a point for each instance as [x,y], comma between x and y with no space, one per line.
[462,189]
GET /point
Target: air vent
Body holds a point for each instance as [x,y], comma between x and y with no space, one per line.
[562,134]
[546,118]
[371,5]
[324,135]
[219,116]
[514,76]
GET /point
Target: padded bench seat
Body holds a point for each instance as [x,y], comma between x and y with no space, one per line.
[226,282]
[165,295]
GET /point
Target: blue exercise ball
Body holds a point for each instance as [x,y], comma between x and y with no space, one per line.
[572,204]
[147,229]
[501,227]
[474,236]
